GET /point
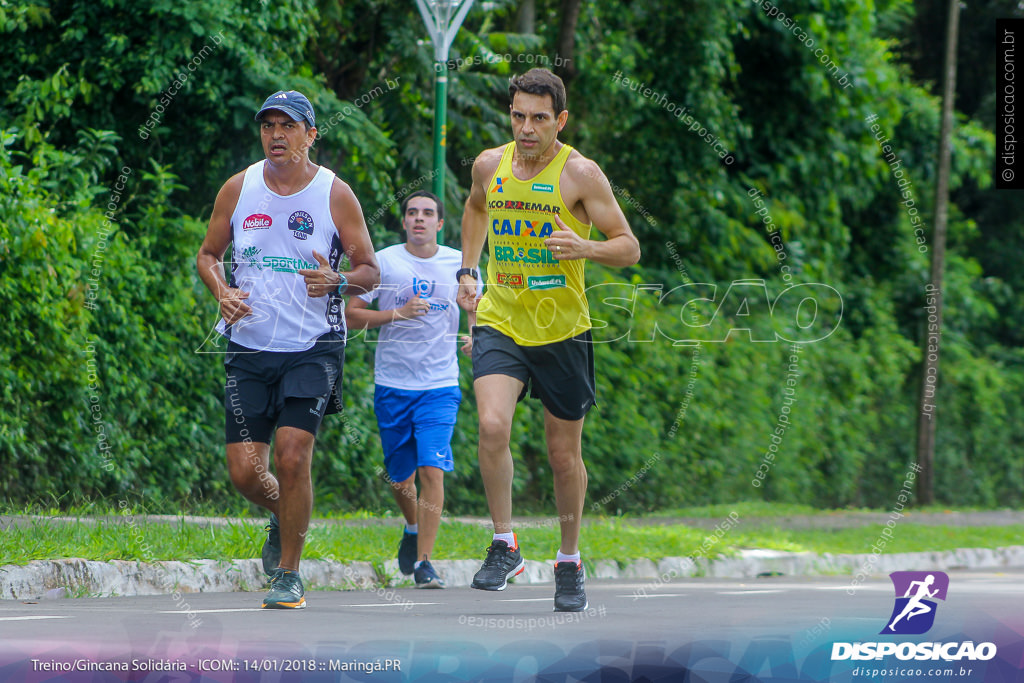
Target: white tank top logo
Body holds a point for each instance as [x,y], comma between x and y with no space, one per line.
[301,225]
[257,221]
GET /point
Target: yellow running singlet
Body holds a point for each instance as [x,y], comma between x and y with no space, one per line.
[530,296]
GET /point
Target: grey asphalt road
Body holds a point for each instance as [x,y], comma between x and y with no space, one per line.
[776,628]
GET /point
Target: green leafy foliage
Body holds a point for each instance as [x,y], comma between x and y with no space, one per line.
[119,122]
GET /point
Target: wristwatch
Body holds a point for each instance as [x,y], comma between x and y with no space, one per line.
[342,285]
[467,271]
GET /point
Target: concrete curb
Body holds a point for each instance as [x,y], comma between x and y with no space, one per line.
[86,578]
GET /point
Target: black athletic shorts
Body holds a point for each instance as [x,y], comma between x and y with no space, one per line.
[561,374]
[269,389]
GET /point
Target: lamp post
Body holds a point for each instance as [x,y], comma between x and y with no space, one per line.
[441,27]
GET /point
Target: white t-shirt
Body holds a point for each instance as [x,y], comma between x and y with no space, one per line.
[421,353]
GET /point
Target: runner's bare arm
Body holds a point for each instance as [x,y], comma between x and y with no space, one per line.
[359,316]
[474,224]
[364,275]
[620,247]
[209,260]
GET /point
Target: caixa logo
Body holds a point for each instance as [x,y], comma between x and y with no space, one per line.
[914,613]
[703,312]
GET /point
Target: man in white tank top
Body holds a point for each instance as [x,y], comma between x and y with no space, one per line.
[289,222]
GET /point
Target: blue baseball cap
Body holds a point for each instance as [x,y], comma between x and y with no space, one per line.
[290,102]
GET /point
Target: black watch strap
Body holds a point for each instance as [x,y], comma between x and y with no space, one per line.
[467,271]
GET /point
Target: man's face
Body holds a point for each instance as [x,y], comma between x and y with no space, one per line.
[285,141]
[534,124]
[420,221]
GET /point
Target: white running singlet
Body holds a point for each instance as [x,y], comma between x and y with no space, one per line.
[272,238]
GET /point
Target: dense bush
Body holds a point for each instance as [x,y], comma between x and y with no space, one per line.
[112,382]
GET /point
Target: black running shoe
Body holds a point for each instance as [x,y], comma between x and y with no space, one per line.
[271,552]
[407,552]
[286,591]
[502,562]
[569,593]
[426,577]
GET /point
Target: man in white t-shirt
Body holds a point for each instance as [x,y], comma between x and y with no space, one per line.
[416,373]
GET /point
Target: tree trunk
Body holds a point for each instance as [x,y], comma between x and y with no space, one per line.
[526,22]
[927,414]
[565,66]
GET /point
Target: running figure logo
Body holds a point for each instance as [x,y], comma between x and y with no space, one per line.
[914,612]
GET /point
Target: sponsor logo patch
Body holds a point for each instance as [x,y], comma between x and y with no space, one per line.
[285,264]
[424,288]
[249,254]
[542,187]
[522,228]
[301,225]
[514,280]
[545,281]
[257,221]
[531,256]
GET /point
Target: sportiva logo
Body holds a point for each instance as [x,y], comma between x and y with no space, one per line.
[914,611]
[914,614]
[257,221]
[301,225]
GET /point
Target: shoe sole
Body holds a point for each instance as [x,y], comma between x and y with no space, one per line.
[581,609]
[301,604]
[433,583]
[504,584]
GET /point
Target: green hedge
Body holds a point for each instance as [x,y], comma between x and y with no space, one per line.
[120,400]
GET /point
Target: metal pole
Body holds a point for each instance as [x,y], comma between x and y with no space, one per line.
[441,27]
[440,126]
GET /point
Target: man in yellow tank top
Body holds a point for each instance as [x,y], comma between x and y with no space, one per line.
[534,201]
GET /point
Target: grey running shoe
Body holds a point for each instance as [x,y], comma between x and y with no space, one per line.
[569,593]
[502,562]
[286,591]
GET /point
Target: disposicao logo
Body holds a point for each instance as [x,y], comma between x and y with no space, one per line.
[913,614]
[914,611]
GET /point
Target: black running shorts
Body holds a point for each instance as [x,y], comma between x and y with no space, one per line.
[269,389]
[561,374]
